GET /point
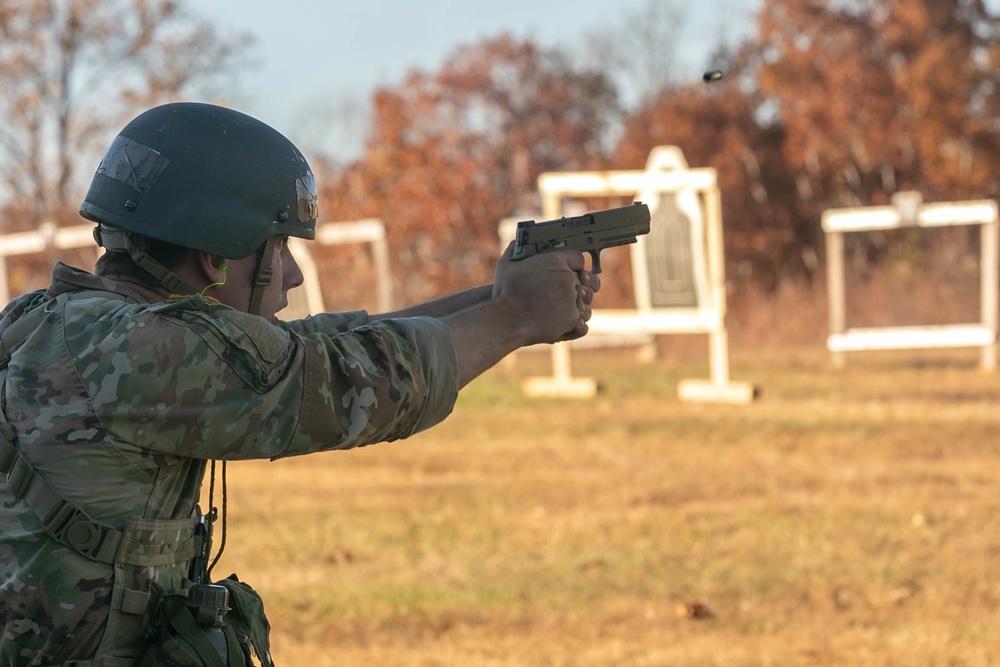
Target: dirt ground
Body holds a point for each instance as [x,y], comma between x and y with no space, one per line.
[846,517]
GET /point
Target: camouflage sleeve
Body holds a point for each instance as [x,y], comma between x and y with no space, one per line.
[199,380]
[328,323]
[345,379]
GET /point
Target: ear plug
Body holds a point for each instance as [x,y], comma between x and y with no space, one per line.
[222,267]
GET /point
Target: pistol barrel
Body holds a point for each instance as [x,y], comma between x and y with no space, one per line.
[591,232]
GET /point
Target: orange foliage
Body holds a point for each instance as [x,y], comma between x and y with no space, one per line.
[452,153]
[836,104]
[831,103]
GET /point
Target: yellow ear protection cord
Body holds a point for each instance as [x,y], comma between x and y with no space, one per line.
[207,287]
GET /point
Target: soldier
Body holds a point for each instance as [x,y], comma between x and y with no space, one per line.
[117,387]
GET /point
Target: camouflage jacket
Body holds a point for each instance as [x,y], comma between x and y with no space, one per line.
[117,403]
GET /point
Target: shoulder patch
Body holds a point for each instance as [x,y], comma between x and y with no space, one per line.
[271,341]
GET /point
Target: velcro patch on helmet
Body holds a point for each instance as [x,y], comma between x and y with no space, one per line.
[132,163]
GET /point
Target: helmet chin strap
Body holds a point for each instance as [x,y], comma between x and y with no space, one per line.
[264,275]
[119,240]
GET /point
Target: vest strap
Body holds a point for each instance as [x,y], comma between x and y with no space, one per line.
[64,522]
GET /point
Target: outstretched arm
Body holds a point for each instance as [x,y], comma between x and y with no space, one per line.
[444,306]
[544,299]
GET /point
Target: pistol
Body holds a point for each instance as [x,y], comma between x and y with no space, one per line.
[591,232]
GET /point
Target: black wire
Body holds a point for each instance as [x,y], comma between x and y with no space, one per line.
[222,540]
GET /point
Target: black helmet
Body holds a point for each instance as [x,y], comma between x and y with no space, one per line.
[203,177]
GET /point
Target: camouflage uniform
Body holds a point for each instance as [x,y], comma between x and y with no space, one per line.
[117,403]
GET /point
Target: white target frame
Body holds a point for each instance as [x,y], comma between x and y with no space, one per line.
[697,195]
[48,235]
[304,300]
[307,299]
[908,211]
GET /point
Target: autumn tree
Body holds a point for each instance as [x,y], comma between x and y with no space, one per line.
[451,153]
[878,96]
[638,49]
[882,95]
[72,72]
[718,127]
[836,104]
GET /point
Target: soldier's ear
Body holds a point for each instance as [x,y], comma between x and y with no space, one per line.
[211,264]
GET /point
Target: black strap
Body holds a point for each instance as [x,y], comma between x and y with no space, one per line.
[264,274]
[183,623]
[120,240]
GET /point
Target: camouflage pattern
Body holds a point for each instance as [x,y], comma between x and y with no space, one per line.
[117,403]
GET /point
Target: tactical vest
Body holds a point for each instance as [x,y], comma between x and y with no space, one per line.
[165,547]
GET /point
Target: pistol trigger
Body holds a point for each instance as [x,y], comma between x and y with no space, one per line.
[595,261]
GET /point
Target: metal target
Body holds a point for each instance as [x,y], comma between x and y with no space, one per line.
[669,258]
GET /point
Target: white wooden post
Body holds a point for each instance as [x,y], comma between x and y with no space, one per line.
[982,334]
[308,298]
[48,235]
[697,193]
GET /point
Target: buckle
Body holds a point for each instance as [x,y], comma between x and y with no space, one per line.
[264,276]
[70,526]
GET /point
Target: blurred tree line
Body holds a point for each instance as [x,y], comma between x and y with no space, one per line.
[828,103]
[72,72]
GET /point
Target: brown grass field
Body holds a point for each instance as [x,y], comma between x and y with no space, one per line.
[848,517]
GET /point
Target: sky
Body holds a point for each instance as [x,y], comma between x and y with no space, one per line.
[317,62]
